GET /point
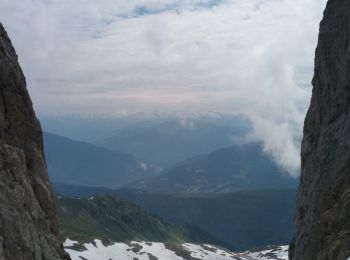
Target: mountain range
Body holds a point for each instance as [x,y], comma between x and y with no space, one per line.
[29,225]
[167,142]
[236,195]
[81,163]
[236,168]
[241,220]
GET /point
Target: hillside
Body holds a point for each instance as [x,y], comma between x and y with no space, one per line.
[80,163]
[241,220]
[239,167]
[115,219]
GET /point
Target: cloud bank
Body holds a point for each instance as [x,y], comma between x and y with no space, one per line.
[110,57]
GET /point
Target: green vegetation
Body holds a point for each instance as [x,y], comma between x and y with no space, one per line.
[232,169]
[242,220]
[111,218]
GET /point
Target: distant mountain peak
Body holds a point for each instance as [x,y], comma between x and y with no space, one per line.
[235,168]
[82,163]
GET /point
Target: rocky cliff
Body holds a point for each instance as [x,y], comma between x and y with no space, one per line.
[323,208]
[28,224]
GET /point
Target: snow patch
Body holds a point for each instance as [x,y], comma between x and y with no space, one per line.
[118,251]
[69,243]
[208,252]
[279,253]
[151,250]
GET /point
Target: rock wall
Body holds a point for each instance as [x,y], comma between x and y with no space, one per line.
[323,207]
[28,224]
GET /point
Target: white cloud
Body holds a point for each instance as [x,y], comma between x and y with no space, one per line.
[253,57]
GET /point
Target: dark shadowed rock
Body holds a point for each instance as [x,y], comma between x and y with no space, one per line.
[28,224]
[323,208]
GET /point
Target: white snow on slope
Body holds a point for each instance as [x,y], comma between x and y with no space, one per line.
[69,243]
[280,252]
[151,251]
[123,251]
[208,252]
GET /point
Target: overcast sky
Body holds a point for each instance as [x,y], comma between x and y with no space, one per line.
[110,57]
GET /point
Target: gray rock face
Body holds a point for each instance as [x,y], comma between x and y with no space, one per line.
[323,208]
[28,224]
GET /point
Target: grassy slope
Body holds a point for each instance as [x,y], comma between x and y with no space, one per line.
[242,220]
[116,219]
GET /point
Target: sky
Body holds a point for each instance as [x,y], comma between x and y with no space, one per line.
[117,57]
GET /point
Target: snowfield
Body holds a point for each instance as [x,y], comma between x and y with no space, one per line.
[165,251]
